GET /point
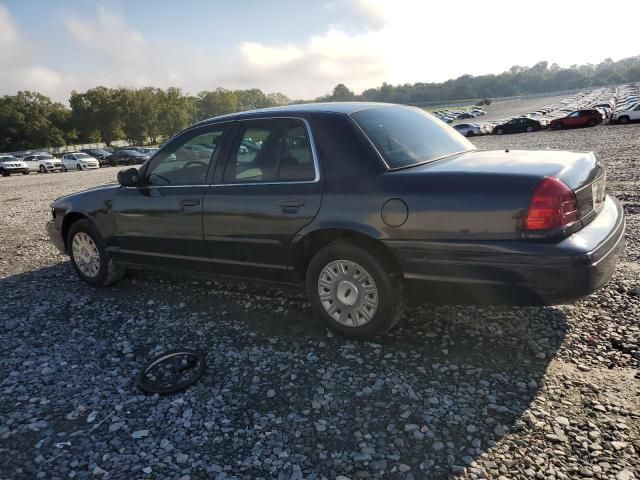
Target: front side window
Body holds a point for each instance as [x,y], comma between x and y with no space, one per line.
[186,160]
[407,136]
[637,108]
[277,150]
[574,114]
[45,157]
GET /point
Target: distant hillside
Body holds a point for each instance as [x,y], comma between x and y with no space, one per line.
[517,80]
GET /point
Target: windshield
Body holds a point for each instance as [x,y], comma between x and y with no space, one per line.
[407,136]
[82,155]
[8,159]
[44,157]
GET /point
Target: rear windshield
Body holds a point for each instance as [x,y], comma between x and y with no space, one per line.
[407,136]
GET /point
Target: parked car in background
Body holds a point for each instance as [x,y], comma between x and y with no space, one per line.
[99,154]
[518,125]
[628,115]
[145,150]
[579,118]
[127,157]
[79,161]
[469,129]
[397,200]
[43,163]
[10,165]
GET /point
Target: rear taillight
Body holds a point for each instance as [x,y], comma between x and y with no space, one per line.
[553,205]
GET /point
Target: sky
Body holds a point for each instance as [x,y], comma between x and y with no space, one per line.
[300,48]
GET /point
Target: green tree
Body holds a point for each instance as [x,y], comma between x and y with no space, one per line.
[219,102]
[31,120]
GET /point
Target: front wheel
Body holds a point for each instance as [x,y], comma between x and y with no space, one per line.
[499,131]
[89,255]
[42,169]
[78,167]
[529,129]
[26,173]
[592,123]
[559,126]
[353,292]
[64,168]
[3,172]
[623,120]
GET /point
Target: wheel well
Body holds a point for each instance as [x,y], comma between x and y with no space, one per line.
[68,220]
[306,248]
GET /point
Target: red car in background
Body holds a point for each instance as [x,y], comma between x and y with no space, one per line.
[579,118]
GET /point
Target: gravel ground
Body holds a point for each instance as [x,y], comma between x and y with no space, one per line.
[456,391]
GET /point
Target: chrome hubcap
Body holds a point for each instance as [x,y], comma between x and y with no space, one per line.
[348,293]
[85,254]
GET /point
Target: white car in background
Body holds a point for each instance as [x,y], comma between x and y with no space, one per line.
[469,129]
[628,115]
[10,164]
[79,161]
[42,162]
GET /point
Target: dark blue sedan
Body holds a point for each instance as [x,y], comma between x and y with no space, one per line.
[361,203]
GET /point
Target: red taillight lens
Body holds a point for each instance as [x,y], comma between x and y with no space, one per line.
[553,204]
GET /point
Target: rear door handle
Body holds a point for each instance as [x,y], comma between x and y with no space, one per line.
[291,206]
[189,202]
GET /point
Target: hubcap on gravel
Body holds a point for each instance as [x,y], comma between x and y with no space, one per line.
[85,254]
[348,293]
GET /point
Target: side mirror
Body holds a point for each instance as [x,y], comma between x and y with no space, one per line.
[129,177]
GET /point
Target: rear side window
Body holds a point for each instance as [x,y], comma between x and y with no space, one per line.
[407,136]
[277,150]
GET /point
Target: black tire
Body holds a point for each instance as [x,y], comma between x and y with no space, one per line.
[42,169]
[592,123]
[389,289]
[529,129]
[26,173]
[470,133]
[3,173]
[78,167]
[64,168]
[499,131]
[623,120]
[559,126]
[109,272]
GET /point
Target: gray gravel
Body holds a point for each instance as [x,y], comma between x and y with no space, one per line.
[455,391]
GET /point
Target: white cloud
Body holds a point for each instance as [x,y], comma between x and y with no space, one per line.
[401,41]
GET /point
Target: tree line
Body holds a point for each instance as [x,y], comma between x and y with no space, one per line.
[518,80]
[31,120]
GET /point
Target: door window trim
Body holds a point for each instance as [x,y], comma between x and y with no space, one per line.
[226,126]
[314,155]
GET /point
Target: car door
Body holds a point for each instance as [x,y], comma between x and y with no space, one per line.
[159,222]
[635,113]
[269,188]
[32,162]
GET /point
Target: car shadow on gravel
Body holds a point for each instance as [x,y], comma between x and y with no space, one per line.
[282,395]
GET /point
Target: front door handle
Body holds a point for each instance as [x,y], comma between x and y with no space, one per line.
[291,206]
[189,202]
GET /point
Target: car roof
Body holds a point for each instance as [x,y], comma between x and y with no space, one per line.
[346,108]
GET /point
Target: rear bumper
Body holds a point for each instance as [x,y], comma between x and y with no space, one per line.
[55,235]
[516,272]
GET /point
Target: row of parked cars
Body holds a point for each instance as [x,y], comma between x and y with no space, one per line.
[88,159]
[584,109]
[450,115]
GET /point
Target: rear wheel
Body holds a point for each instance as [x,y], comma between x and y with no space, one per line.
[529,129]
[470,133]
[89,255]
[592,123]
[623,120]
[559,126]
[352,291]
[26,173]
[3,172]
